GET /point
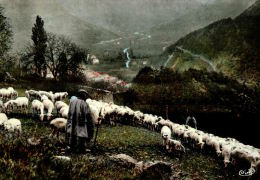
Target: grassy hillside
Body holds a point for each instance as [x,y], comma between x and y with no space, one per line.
[231,45]
[19,159]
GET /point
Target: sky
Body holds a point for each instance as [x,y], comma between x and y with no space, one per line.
[118,16]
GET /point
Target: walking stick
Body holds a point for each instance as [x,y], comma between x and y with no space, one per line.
[99,119]
[95,139]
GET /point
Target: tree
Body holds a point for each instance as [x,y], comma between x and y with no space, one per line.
[63,68]
[63,57]
[39,38]
[5,34]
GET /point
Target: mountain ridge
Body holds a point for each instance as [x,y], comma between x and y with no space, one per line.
[231,44]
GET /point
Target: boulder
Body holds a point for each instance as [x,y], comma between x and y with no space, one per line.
[124,160]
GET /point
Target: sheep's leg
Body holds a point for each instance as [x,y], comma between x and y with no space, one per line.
[52,133]
[58,136]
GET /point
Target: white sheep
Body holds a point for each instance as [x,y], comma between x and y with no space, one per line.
[95,108]
[58,124]
[5,94]
[60,96]
[226,152]
[3,118]
[38,106]
[138,118]
[258,166]
[9,106]
[198,138]
[166,134]
[60,104]
[213,141]
[32,94]
[2,107]
[50,94]
[175,145]
[179,130]
[64,111]
[14,94]
[22,103]
[13,126]
[48,104]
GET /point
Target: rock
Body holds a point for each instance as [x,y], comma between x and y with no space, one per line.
[153,170]
[139,167]
[148,170]
[124,160]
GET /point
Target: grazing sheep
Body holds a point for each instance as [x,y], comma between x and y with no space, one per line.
[253,157]
[58,124]
[48,104]
[60,96]
[138,119]
[64,111]
[60,104]
[38,106]
[22,103]
[258,166]
[14,94]
[226,153]
[166,134]
[50,94]
[32,94]
[5,94]
[9,106]
[198,138]
[3,118]
[13,126]
[175,145]
[179,130]
[2,107]
[95,108]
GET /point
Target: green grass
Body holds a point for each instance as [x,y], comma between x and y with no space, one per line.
[139,143]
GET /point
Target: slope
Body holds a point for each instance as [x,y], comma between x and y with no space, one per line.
[231,45]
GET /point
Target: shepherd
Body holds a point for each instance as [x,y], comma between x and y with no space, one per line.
[80,124]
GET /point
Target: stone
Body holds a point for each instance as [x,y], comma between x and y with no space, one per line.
[124,160]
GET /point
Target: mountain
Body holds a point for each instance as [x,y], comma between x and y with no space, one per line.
[230,46]
[169,32]
[254,10]
[22,15]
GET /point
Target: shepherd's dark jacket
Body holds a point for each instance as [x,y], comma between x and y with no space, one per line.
[80,124]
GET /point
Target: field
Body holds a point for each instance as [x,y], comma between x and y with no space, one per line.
[143,145]
[19,159]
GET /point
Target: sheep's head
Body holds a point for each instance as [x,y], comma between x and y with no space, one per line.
[26,93]
[166,133]
[226,162]
[41,117]
[7,125]
[49,116]
[44,98]
[201,145]
[15,94]
[218,152]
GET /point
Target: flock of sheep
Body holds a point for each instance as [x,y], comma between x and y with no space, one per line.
[38,101]
[231,150]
